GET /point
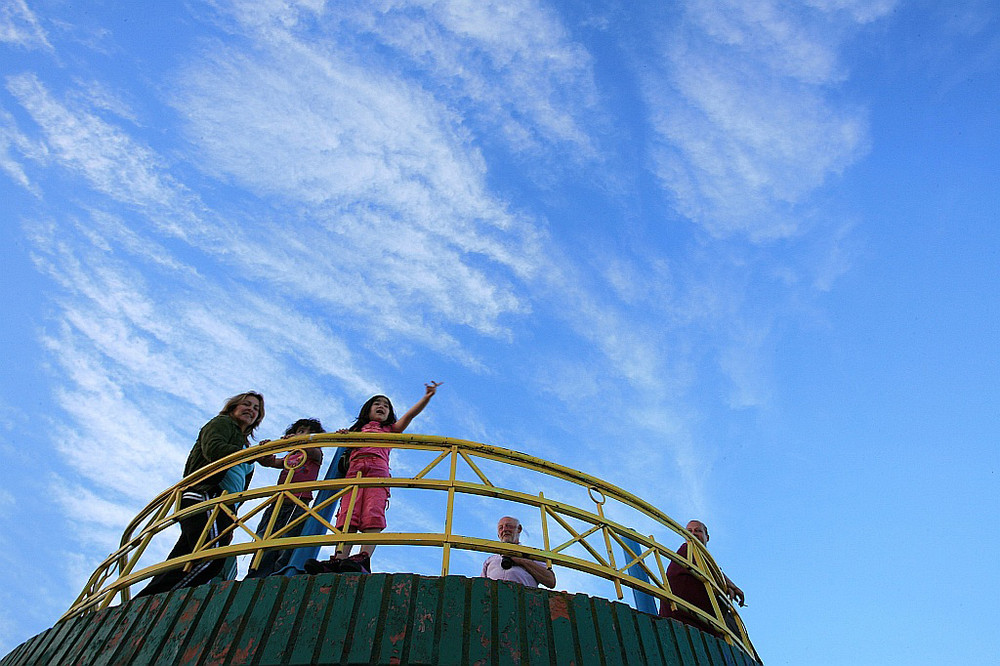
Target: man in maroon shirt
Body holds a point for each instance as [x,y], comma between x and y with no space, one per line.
[691,589]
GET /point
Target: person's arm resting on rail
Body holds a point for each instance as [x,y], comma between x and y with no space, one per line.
[538,571]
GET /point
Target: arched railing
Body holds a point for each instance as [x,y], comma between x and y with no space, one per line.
[583,538]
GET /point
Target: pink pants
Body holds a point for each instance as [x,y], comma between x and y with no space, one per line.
[369,503]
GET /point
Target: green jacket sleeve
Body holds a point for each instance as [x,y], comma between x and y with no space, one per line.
[220,437]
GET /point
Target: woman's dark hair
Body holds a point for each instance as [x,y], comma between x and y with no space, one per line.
[237,399]
[366,409]
[314,426]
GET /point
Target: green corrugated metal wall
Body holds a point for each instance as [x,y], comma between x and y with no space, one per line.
[375,619]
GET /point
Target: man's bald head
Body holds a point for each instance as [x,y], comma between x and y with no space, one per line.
[699,530]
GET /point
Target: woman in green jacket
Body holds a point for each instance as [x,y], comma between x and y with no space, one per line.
[225,434]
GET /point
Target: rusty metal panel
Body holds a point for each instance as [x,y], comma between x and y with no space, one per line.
[335,630]
[537,623]
[676,647]
[230,624]
[611,647]
[648,640]
[95,648]
[478,623]
[131,616]
[58,638]
[170,651]
[312,618]
[697,642]
[625,618]
[396,629]
[364,620]
[139,631]
[509,625]
[563,634]
[281,627]
[165,610]
[372,619]
[425,621]
[255,617]
[202,625]
[452,614]
[586,630]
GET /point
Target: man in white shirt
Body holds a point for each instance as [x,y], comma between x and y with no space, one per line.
[512,567]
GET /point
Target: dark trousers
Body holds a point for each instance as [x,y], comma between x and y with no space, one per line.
[276,560]
[191,529]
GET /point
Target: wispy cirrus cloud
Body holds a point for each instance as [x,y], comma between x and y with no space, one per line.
[381,183]
[860,11]
[513,64]
[743,107]
[510,66]
[359,199]
[13,140]
[19,26]
[115,164]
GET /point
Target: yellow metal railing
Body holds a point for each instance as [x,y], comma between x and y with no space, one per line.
[588,549]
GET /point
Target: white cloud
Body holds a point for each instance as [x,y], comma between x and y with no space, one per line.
[140,338]
[12,137]
[431,218]
[386,185]
[100,97]
[20,26]
[113,162]
[140,371]
[514,60]
[862,11]
[100,522]
[787,43]
[511,65]
[748,128]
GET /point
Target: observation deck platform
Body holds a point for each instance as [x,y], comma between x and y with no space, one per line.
[582,521]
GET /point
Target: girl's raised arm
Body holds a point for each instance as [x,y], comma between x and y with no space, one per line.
[402,423]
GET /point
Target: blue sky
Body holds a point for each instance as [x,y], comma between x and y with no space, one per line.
[738,257]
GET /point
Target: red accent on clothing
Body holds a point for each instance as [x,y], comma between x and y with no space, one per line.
[378,451]
[308,472]
[692,590]
[370,503]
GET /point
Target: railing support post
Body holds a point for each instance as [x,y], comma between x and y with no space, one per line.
[446,551]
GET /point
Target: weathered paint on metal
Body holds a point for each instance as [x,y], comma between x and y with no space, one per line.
[150,642]
[372,619]
[425,621]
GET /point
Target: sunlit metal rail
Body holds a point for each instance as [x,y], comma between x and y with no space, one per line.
[590,549]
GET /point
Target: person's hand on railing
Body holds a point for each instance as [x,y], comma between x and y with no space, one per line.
[268,460]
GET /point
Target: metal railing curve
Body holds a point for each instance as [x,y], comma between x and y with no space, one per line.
[642,566]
